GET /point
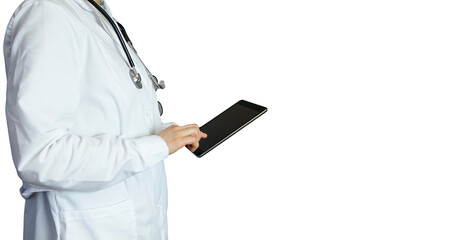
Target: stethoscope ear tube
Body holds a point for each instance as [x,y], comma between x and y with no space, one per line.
[154,79]
[124,33]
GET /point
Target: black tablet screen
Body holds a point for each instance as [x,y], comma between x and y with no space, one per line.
[228,123]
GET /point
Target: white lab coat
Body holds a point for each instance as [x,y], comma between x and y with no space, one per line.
[81,134]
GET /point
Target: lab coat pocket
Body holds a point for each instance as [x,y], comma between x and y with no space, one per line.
[114,222]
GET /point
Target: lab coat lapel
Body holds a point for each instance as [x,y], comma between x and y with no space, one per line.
[100,26]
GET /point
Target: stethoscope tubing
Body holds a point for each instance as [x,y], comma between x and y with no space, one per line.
[119,35]
[133,73]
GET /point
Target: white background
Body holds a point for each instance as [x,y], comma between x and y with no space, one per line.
[363,133]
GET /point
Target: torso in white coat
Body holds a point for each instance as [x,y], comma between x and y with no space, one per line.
[81,133]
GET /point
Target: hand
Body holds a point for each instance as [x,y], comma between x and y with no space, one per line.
[177,137]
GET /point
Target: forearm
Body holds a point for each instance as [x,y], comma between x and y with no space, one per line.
[78,163]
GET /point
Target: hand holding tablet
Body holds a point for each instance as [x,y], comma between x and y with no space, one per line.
[227,124]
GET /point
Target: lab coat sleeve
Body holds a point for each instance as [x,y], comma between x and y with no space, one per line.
[44,69]
[166,125]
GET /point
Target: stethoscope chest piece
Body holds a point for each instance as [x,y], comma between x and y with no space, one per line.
[134,75]
[136,78]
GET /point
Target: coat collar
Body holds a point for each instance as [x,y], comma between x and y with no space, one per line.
[84,4]
[87,6]
[99,24]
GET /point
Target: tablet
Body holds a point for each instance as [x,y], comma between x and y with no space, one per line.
[226,124]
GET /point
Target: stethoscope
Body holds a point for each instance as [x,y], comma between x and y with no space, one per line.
[134,75]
